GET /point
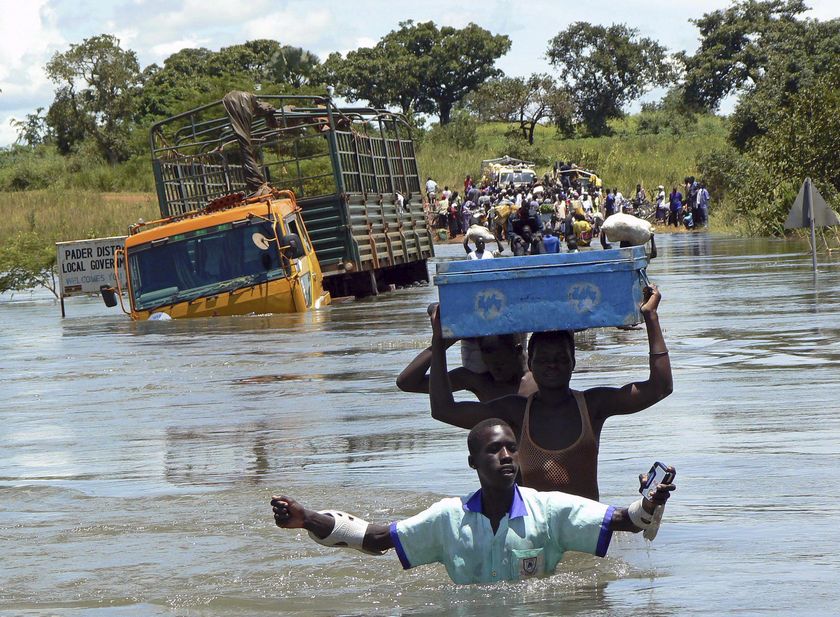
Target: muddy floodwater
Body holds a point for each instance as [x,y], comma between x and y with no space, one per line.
[138,459]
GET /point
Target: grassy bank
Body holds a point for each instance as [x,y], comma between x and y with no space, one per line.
[622,160]
[71,215]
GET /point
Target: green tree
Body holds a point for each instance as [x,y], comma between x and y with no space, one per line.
[265,61]
[461,132]
[33,129]
[605,68]
[27,261]
[192,77]
[525,102]
[98,84]
[188,78]
[762,51]
[793,64]
[734,47]
[419,67]
[670,115]
[295,66]
[368,73]
[802,140]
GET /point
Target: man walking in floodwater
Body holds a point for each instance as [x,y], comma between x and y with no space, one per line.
[558,429]
[500,532]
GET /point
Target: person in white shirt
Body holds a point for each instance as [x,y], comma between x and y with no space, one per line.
[431,188]
[476,234]
[480,252]
[619,201]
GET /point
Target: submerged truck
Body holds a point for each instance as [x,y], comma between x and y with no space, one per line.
[353,172]
[275,204]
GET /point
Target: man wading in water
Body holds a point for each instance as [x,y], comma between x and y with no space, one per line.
[558,429]
[500,532]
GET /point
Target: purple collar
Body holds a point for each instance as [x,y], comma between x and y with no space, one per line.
[517,506]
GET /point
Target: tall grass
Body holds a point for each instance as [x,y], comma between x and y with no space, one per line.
[621,160]
[80,202]
[57,215]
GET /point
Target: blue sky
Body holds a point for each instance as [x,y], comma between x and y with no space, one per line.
[32,31]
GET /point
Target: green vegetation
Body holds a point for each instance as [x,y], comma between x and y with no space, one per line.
[623,160]
[526,103]
[27,262]
[605,68]
[783,69]
[33,221]
[419,67]
[786,123]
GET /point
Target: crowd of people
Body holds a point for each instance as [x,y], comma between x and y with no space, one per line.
[568,205]
[689,208]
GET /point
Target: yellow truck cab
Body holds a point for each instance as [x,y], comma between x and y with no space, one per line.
[236,256]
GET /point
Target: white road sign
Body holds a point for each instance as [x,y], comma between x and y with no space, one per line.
[85,265]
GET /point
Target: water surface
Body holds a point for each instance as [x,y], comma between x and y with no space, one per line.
[138,458]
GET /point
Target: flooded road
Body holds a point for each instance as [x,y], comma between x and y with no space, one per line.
[138,458]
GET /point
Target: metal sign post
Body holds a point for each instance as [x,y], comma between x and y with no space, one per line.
[85,265]
[809,210]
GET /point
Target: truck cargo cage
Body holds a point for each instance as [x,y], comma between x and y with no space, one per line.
[316,149]
[346,167]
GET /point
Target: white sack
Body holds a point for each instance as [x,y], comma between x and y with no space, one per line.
[627,228]
[471,357]
[479,231]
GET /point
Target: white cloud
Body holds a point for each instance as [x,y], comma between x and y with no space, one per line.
[28,37]
[293,26]
[164,50]
[365,41]
[7,133]
[32,30]
[456,19]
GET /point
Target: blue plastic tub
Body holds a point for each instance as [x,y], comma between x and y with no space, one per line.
[564,291]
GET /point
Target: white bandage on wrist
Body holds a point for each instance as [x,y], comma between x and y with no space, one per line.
[348,531]
[639,516]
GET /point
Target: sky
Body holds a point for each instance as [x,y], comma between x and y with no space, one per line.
[31,31]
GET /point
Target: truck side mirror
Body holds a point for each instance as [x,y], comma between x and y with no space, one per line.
[109,295]
[294,244]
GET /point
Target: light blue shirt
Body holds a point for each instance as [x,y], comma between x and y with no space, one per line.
[530,541]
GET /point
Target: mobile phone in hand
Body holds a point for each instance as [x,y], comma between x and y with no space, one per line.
[658,474]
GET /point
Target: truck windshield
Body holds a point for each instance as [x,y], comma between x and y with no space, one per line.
[517,177]
[524,177]
[204,262]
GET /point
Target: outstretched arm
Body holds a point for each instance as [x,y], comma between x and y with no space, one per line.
[289,514]
[499,244]
[606,402]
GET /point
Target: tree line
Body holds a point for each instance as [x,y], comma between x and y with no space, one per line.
[763,52]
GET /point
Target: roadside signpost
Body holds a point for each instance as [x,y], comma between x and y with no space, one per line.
[810,211]
[86,265]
